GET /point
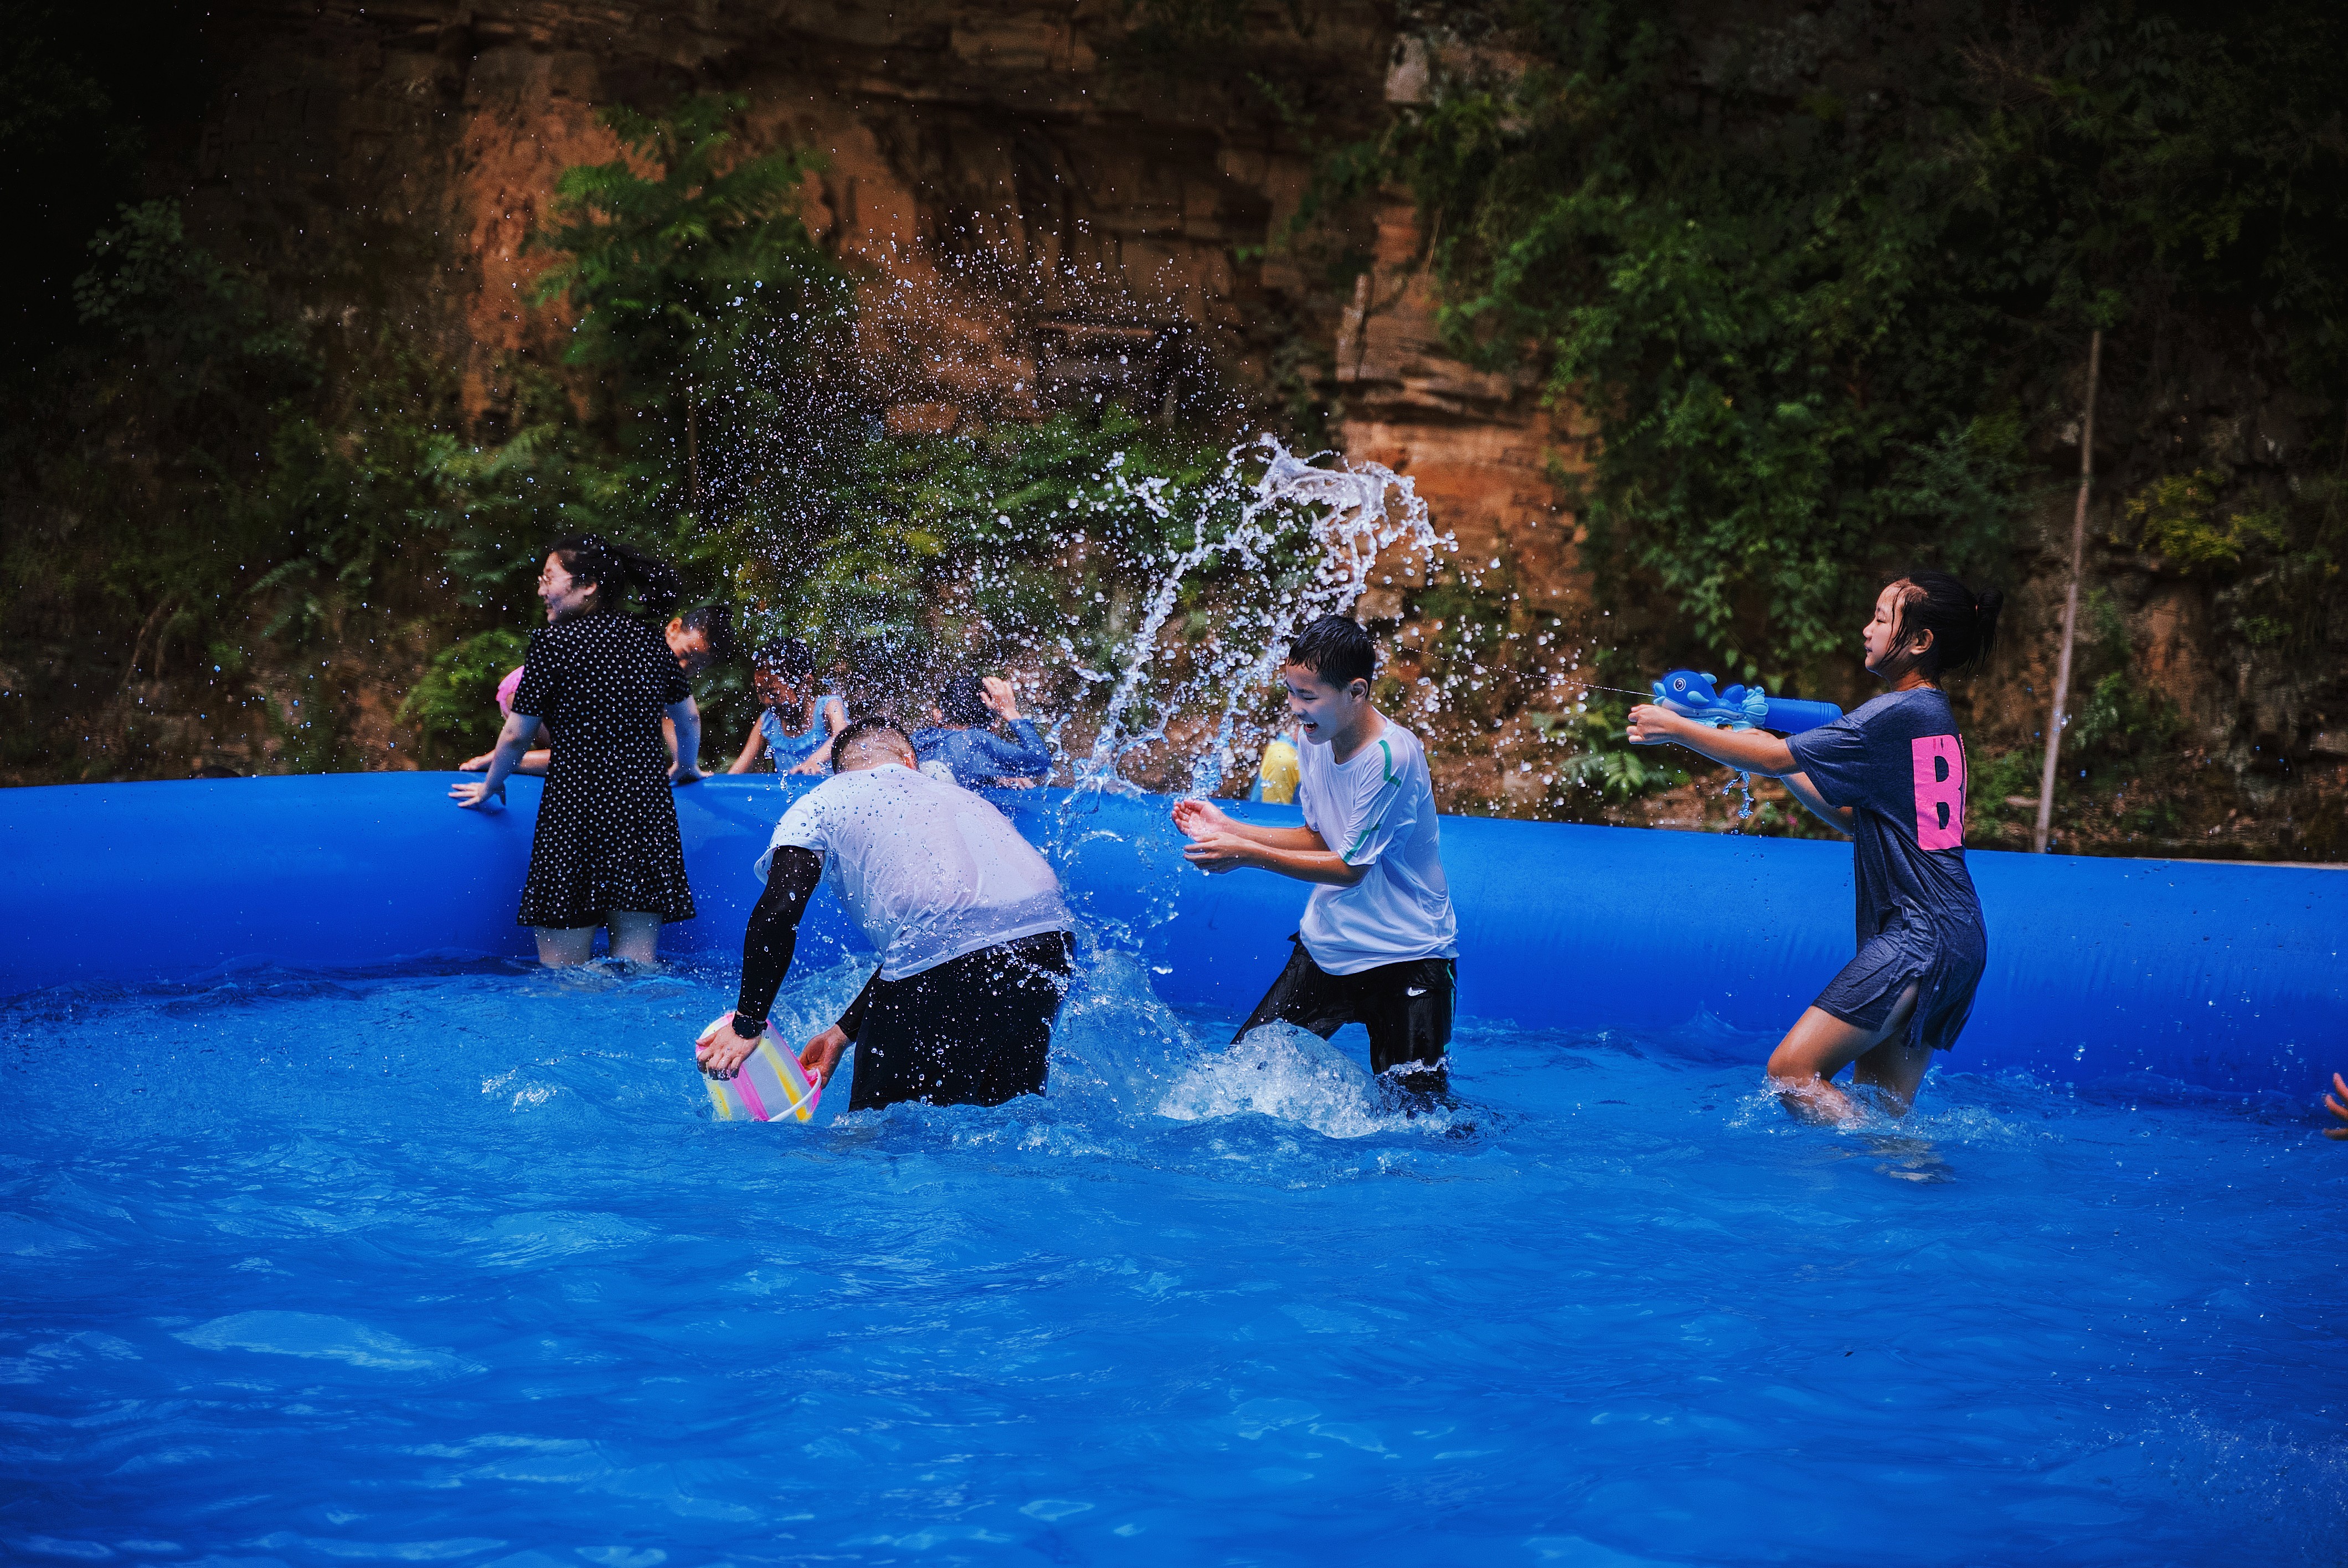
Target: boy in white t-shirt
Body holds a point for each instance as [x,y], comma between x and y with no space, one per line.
[974,934]
[1379,943]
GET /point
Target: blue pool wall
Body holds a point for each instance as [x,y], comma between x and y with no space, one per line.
[2225,976]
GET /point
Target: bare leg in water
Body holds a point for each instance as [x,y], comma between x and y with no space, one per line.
[1819,1045]
[635,937]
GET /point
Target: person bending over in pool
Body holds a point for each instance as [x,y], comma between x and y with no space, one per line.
[974,937]
[1892,773]
[1379,944]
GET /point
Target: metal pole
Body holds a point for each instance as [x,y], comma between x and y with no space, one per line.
[2070,600]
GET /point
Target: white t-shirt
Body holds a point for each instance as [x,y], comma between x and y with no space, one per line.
[1378,809]
[927,869]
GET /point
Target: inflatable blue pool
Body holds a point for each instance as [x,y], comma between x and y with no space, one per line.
[334,1231]
[2226,976]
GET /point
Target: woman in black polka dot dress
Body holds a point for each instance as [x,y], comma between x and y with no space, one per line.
[606,850]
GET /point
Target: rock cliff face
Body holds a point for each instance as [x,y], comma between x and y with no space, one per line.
[1048,199]
[1033,158]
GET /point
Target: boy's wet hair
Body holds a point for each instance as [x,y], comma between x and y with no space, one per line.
[1962,623]
[1336,650]
[714,621]
[860,731]
[963,701]
[788,658]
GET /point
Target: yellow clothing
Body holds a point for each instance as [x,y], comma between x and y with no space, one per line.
[1276,774]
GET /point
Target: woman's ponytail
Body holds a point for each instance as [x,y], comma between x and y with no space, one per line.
[1962,623]
[615,568]
[658,584]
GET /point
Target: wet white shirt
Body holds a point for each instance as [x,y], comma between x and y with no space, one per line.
[927,869]
[1377,810]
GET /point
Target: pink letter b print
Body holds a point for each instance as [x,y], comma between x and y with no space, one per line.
[1940,792]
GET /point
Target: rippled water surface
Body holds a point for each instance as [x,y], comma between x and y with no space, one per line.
[458,1267]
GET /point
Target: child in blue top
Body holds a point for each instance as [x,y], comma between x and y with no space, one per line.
[1891,774]
[797,727]
[964,747]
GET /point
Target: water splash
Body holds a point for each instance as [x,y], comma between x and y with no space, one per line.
[1309,537]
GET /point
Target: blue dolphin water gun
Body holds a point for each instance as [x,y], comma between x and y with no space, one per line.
[1687,692]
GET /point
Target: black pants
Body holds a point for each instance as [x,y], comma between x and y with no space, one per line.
[974,1030]
[1406,1008]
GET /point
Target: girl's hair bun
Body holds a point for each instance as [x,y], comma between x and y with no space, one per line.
[1964,624]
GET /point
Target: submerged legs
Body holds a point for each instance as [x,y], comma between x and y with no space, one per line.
[1821,1045]
[635,937]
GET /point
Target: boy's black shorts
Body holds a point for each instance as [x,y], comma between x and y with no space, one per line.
[1406,1008]
[974,1030]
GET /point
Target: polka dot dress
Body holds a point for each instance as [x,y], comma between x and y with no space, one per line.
[607,834]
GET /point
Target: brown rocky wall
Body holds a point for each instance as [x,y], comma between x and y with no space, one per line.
[1036,190]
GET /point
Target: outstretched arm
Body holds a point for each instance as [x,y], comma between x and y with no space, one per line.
[1218,844]
[751,751]
[1747,751]
[835,719]
[533,761]
[685,718]
[767,948]
[512,741]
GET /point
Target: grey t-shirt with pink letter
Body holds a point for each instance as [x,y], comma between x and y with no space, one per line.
[1898,763]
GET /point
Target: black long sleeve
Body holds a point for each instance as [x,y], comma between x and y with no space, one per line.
[852,1020]
[774,934]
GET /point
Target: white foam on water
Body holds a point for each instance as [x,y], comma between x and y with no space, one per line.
[1286,1073]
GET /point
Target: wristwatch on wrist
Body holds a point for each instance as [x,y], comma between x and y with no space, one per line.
[748,1028]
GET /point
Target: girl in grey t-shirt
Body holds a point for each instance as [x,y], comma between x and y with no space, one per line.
[1892,775]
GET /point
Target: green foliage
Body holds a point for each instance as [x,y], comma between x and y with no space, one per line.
[679,256]
[84,91]
[2177,517]
[2010,775]
[1603,760]
[1186,24]
[1814,321]
[2124,721]
[454,706]
[497,506]
[1022,536]
[192,340]
[133,490]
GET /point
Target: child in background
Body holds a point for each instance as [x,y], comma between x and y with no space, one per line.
[699,638]
[1892,773]
[702,637]
[797,727]
[1276,773]
[1379,944]
[963,745]
[534,762]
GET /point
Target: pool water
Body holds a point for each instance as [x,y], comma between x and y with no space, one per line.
[455,1265]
